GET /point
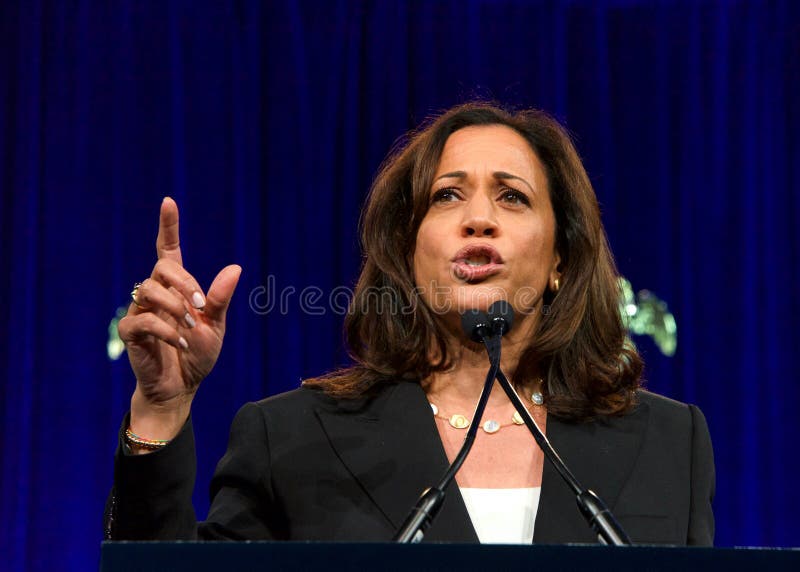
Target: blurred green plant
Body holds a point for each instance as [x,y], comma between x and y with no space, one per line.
[115,346]
[644,314]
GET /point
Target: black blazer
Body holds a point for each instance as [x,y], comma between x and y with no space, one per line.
[301,466]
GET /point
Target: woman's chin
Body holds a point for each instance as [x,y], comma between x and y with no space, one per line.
[463,297]
[477,297]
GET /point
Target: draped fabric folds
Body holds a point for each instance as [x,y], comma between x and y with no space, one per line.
[266,122]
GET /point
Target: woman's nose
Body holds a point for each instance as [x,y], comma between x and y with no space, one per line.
[479,217]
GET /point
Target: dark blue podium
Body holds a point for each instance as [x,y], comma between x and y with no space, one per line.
[252,556]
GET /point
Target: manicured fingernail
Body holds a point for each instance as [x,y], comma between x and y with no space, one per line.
[189,320]
[198,301]
[184,344]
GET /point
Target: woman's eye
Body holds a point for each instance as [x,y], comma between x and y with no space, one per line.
[514,196]
[444,196]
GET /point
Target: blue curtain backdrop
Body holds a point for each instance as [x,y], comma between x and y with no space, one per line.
[266,122]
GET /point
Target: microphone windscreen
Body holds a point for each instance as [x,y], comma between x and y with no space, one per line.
[502,311]
[472,321]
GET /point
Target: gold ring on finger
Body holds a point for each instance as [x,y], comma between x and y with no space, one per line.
[135,291]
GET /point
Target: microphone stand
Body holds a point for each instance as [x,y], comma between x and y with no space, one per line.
[594,510]
[421,516]
[489,328]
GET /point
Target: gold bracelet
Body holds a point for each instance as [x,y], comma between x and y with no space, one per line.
[149,444]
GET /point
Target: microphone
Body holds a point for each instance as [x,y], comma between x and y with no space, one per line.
[501,316]
[478,327]
[488,328]
[593,509]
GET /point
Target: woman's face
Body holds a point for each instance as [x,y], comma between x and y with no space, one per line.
[489,233]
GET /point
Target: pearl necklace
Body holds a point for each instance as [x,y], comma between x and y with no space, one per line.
[491,426]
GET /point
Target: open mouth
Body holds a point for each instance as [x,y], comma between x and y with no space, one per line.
[476,262]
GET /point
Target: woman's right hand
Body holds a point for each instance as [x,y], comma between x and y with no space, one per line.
[173,334]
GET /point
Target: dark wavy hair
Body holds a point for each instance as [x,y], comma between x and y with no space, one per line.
[579,347]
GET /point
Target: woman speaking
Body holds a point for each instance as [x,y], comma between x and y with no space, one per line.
[479,205]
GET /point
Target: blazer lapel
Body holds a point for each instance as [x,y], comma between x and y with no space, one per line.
[392,448]
[601,455]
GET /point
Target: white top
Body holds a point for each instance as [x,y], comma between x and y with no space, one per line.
[503,516]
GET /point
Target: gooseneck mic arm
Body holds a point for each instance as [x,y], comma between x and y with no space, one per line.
[413,529]
[593,509]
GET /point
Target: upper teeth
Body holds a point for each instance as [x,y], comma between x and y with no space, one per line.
[477,260]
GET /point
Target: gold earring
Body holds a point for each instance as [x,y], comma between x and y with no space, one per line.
[556,285]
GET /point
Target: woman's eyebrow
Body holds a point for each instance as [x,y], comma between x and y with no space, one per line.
[502,175]
[499,175]
[452,175]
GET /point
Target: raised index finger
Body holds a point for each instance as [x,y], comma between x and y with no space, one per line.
[168,244]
